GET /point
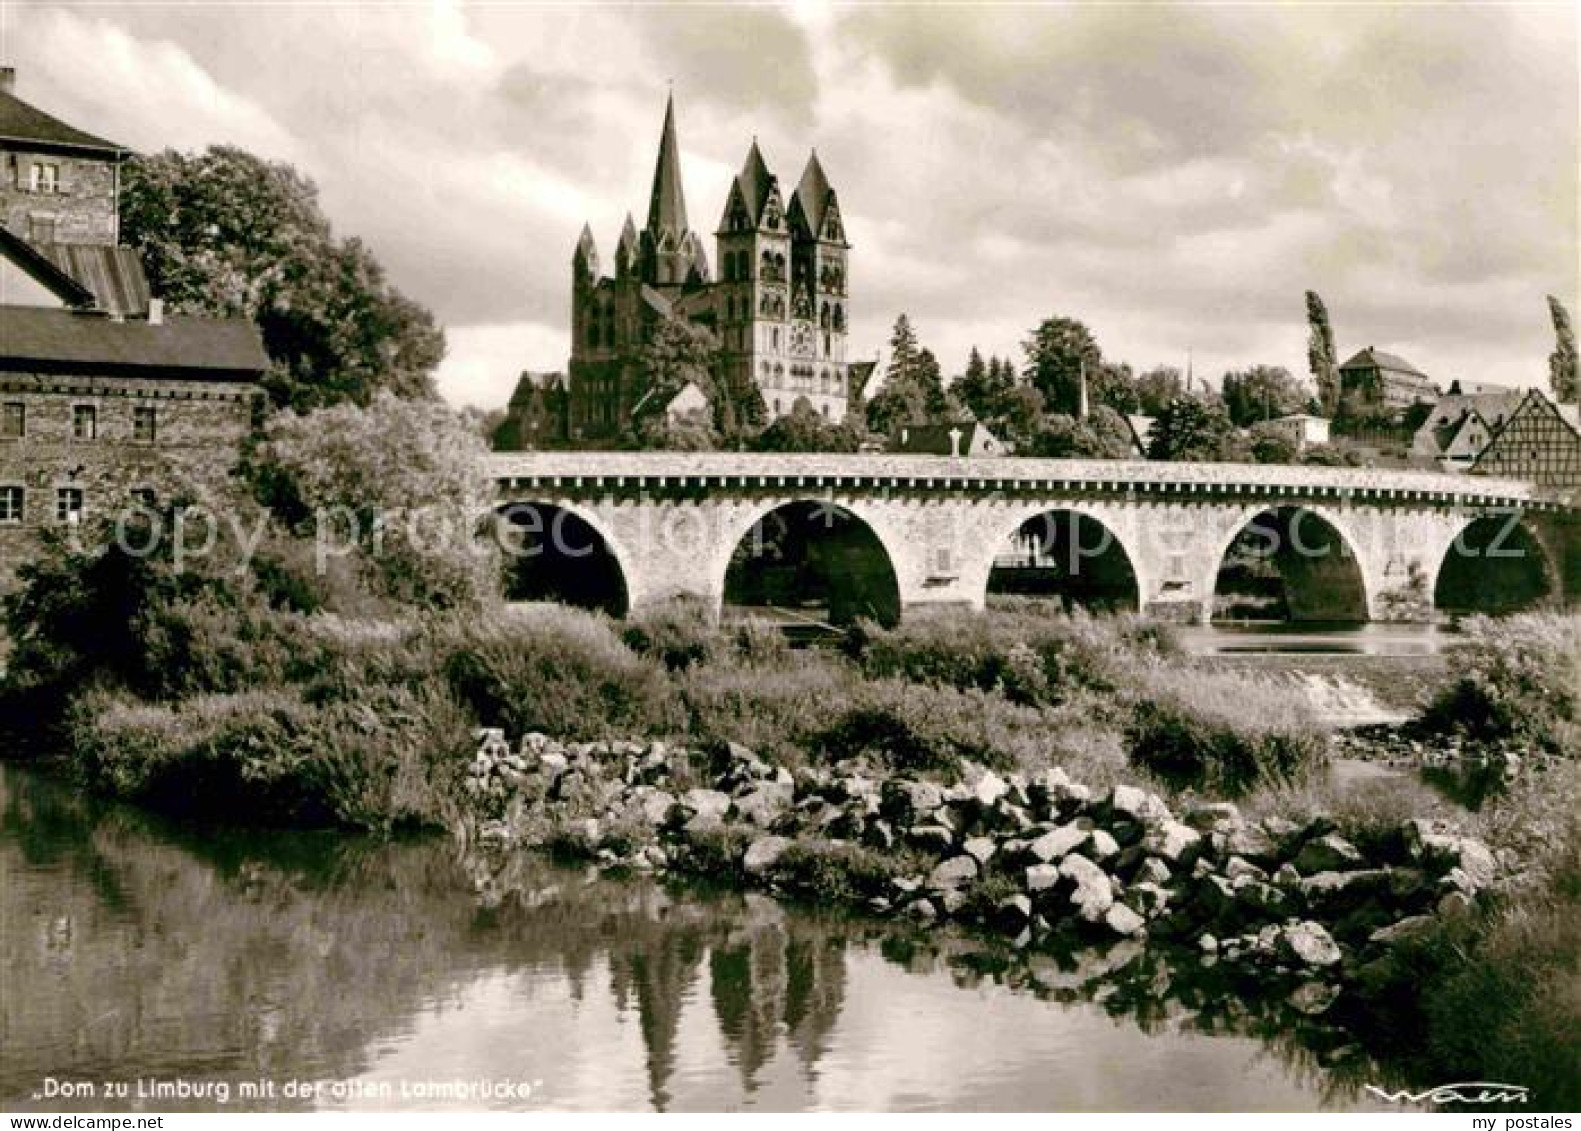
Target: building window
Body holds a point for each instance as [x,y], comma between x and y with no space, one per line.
[143,423]
[13,420]
[45,177]
[41,229]
[68,505]
[12,502]
[84,422]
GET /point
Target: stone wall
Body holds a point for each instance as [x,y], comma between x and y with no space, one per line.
[83,207]
[198,430]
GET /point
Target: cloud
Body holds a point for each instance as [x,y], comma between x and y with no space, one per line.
[1174,175]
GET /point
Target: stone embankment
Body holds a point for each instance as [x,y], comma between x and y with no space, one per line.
[1039,858]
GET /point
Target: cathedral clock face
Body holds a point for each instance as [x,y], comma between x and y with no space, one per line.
[801,339]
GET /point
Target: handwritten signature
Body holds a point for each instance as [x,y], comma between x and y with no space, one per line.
[1476,1092]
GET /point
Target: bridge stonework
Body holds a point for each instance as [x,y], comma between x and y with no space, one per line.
[673,520]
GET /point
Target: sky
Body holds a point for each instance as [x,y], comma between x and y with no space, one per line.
[1176,176]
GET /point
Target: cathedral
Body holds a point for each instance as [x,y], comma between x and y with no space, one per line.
[779,306]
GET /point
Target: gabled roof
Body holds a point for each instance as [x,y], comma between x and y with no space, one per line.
[812,194]
[1371,358]
[1493,407]
[934,439]
[755,181]
[1533,403]
[586,250]
[25,124]
[69,341]
[667,202]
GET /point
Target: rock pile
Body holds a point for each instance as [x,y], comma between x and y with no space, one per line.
[1039,858]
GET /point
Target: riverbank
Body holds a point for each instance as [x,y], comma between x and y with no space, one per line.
[1053,781]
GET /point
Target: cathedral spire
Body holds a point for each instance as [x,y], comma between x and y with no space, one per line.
[667,205]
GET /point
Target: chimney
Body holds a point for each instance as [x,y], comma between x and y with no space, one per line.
[156,312]
[7,80]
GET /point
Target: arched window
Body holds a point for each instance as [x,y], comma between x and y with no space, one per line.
[823,318]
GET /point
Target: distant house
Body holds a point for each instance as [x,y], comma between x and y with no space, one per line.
[1302,429]
[1141,428]
[1461,424]
[1384,381]
[1540,442]
[960,438]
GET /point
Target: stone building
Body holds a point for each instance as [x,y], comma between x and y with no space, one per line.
[780,306]
[104,401]
[1375,380]
[58,184]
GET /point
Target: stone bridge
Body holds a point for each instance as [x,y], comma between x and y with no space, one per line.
[917,531]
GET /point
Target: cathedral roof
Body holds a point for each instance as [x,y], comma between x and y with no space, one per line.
[813,192]
[755,181]
[667,204]
[586,249]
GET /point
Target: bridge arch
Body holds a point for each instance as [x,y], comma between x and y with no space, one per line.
[1291,562]
[562,553]
[812,559]
[1065,550]
[1496,564]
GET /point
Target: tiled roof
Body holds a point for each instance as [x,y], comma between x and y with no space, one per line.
[1370,358]
[21,122]
[67,340]
[113,274]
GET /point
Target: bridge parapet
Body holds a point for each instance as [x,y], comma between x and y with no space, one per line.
[630,472]
[673,520]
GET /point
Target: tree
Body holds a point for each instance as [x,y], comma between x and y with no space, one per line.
[803,429]
[1104,434]
[691,431]
[1563,376]
[227,234]
[1271,444]
[1157,387]
[1320,355]
[913,389]
[1262,392]
[1194,429]
[1056,353]
[674,353]
[398,485]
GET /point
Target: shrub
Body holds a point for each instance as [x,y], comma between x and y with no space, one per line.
[836,872]
[1519,682]
[1020,649]
[399,480]
[1219,732]
[561,671]
[678,634]
[916,729]
[266,757]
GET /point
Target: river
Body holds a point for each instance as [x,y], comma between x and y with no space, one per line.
[142,956]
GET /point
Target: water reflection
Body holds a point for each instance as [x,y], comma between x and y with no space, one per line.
[133,952]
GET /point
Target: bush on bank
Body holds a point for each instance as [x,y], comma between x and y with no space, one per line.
[1518,683]
[1222,733]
